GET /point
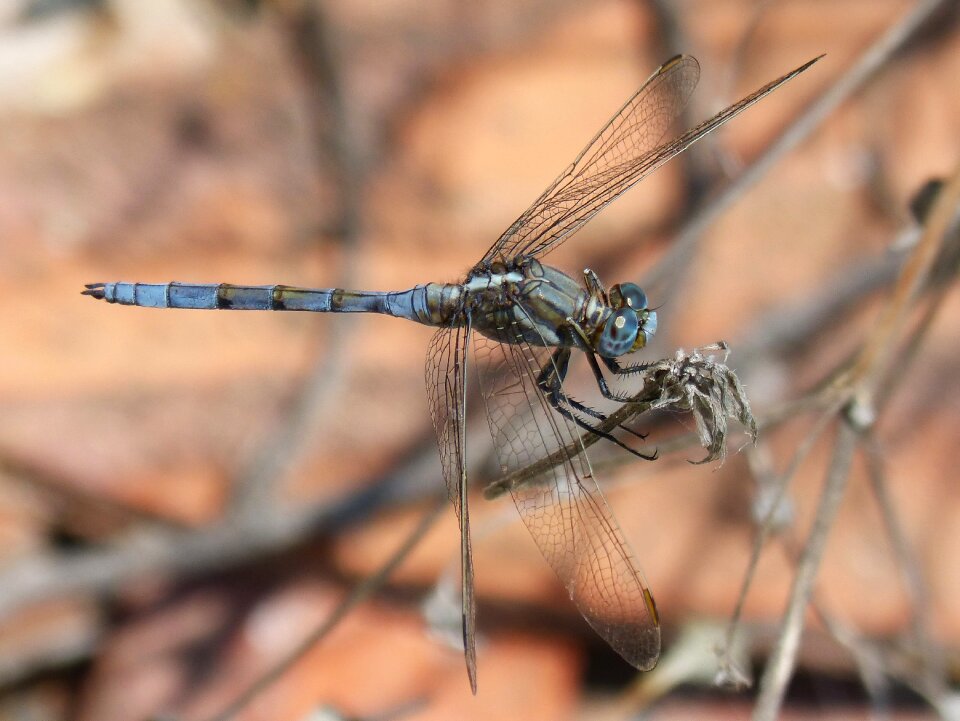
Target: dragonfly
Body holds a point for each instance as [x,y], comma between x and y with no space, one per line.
[523,319]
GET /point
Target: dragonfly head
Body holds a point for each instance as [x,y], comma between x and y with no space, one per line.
[631,324]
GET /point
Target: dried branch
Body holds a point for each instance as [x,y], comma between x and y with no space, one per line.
[875,358]
[870,62]
[149,551]
[858,386]
[779,669]
[692,383]
[729,674]
[359,594]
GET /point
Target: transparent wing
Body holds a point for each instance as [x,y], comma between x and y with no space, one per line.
[563,508]
[601,171]
[626,150]
[446,394]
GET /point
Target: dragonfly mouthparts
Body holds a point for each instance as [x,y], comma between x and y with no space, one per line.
[95,290]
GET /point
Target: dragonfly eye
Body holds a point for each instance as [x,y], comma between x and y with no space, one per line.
[628,295]
[648,326]
[620,334]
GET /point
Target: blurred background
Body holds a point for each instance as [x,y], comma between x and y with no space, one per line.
[186,496]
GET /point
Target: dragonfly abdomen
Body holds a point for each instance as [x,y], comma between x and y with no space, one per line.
[431,303]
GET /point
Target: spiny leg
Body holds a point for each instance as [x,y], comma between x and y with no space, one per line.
[550,381]
[595,367]
[602,382]
[594,287]
[620,370]
[703,351]
[609,395]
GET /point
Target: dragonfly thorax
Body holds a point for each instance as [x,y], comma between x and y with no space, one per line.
[525,301]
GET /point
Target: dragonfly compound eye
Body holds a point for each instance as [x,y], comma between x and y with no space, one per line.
[629,295]
[648,326]
[619,333]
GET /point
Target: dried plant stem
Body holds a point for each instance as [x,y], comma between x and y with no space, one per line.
[766,527]
[360,593]
[860,382]
[931,672]
[779,669]
[874,359]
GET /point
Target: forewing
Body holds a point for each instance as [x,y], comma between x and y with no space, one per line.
[563,508]
[599,174]
[446,394]
[623,153]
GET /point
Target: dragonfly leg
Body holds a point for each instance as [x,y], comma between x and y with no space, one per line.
[620,370]
[594,286]
[550,381]
[595,367]
[602,382]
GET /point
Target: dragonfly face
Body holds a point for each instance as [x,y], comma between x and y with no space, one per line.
[630,326]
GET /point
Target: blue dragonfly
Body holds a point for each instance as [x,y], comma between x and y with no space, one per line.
[524,319]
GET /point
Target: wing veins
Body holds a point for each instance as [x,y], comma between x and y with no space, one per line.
[580,496]
[587,187]
[635,122]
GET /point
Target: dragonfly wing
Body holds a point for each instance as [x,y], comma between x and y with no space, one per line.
[563,508]
[625,151]
[596,176]
[446,373]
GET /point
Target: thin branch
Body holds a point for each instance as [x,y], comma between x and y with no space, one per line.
[780,667]
[792,326]
[875,358]
[669,31]
[670,37]
[766,528]
[359,594]
[870,62]
[151,551]
[858,384]
[906,561]
[939,281]
[70,498]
